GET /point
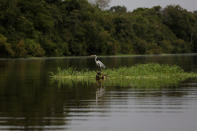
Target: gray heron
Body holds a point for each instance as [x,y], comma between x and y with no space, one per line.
[99,63]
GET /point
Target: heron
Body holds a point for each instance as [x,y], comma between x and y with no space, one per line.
[99,63]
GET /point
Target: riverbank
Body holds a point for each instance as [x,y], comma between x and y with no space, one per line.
[103,56]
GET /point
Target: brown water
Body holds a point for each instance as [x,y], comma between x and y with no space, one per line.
[30,101]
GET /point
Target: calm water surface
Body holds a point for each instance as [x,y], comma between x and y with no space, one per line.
[30,101]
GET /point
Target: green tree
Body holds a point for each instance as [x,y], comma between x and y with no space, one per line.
[180,21]
[118,9]
[102,3]
[76,27]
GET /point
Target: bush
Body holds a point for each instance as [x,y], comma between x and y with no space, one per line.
[166,46]
[140,46]
[20,49]
[49,46]
[5,48]
[180,46]
[153,48]
[33,48]
[112,47]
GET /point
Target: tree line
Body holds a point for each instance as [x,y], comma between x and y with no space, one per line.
[76,27]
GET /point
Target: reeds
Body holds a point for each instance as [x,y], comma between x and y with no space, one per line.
[142,75]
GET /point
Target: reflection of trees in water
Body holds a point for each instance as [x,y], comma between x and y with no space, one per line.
[163,99]
[36,107]
[163,92]
[31,107]
[54,106]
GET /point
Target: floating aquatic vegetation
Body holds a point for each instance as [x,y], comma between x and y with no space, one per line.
[142,75]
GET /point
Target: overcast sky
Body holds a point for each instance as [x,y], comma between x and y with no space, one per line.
[190,5]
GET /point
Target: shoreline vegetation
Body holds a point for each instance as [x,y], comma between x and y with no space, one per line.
[142,75]
[56,28]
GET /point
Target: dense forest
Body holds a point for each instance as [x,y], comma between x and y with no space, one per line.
[76,27]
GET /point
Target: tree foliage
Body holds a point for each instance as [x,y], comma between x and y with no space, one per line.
[103,3]
[76,27]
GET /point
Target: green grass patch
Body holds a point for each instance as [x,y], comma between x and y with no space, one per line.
[142,75]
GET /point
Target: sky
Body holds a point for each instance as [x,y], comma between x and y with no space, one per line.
[190,5]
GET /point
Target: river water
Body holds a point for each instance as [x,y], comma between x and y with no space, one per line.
[29,100]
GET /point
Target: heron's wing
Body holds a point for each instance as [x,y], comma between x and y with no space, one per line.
[101,64]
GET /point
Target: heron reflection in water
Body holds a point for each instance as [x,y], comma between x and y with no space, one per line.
[101,90]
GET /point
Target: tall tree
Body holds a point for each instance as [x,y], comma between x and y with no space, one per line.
[103,3]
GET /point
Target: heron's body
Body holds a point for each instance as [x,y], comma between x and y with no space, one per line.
[99,63]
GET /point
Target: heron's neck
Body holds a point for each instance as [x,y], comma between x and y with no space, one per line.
[95,58]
